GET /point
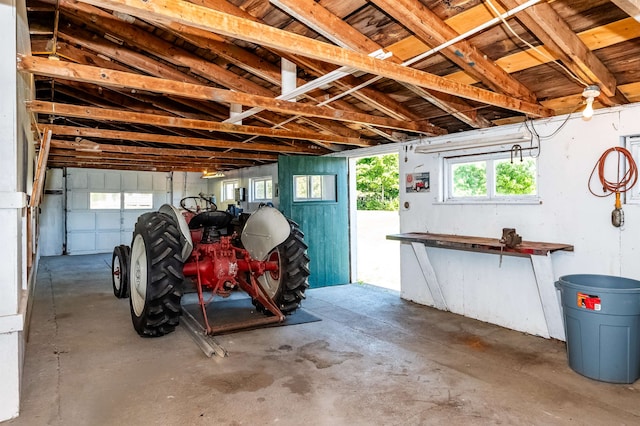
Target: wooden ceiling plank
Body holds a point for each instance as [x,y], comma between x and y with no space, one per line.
[554,32]
[171,10]
[432,30]
[367,95]
[119,79]
[97,161]
[321,20]
[192,153]
[153,159]
[631,7]
[123,166]
[81,132]
[91,113]
[137,37]
[158,69]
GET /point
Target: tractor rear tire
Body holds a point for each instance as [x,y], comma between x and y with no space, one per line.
[287,285]
[155,275]
[120,271]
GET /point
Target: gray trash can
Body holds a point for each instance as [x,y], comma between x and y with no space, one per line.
[602,326]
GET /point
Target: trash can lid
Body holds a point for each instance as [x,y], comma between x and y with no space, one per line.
[595,282]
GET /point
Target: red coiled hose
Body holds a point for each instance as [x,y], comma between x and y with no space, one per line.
[624,183]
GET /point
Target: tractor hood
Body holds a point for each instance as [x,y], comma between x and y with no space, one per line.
[265,229]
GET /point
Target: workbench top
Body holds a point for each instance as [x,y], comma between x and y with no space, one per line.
[480,244]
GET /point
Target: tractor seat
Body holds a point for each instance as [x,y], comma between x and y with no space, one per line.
[217,219]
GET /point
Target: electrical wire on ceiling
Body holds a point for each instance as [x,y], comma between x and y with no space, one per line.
[539,138]
[538,50]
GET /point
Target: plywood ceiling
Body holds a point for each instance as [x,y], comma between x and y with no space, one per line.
[150,84]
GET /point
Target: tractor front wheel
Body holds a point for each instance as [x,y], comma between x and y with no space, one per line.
[155,275]
[120,271]
[287,285]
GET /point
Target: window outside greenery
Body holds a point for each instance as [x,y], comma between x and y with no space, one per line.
[517,178]
[492,178]
[470,179]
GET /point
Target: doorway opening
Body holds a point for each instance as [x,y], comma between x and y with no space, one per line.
[377,185]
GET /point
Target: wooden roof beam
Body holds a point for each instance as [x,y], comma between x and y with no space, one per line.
[119,79]
[556,34]
[158,69]
[81,132]
[324,22]
[167,11]
[91,113]
[108,24]
[97,162]
[367,95]
[87,145]
[433,31]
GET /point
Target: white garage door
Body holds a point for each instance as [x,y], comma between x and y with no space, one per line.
[103,206]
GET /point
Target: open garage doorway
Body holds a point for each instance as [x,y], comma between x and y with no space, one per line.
[377,260]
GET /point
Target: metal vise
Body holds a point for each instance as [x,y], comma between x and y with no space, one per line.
[510,238]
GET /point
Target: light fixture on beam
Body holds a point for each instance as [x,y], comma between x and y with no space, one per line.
[590,93]
[211,175]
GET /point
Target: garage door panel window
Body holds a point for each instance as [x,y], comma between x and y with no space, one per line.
[138,200]
[104,201]
[490,178]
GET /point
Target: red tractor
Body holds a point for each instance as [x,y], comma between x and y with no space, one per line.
[266,257]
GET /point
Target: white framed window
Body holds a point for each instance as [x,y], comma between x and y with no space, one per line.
[229,190]
[138,200]
[492,177]
[314,188]
[262,189]
[104,201]
[633,145]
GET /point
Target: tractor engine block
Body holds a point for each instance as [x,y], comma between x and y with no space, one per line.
[215,265]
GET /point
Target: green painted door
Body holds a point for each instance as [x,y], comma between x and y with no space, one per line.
[313,192]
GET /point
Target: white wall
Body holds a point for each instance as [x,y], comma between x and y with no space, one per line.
[244,177]
[473,283]
[16,155]
[52,228]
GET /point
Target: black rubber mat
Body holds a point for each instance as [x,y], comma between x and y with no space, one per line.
[233,310]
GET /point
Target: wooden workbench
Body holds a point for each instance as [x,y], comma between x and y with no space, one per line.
[538,252]
[479,244]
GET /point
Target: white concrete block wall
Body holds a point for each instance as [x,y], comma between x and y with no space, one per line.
[474,284]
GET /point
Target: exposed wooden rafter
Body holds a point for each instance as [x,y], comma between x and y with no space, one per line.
[82,132]
[554,32]
[101,76]
[328,24]
[433,31]
[66,110]
[371,97]
[165,11]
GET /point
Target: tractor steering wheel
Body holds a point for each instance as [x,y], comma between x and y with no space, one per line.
[209,206]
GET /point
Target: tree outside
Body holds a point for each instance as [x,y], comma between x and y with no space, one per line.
[378,183]
[470,179]
[517,178]
[511,178]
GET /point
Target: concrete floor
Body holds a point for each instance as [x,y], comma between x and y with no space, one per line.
[374,359]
